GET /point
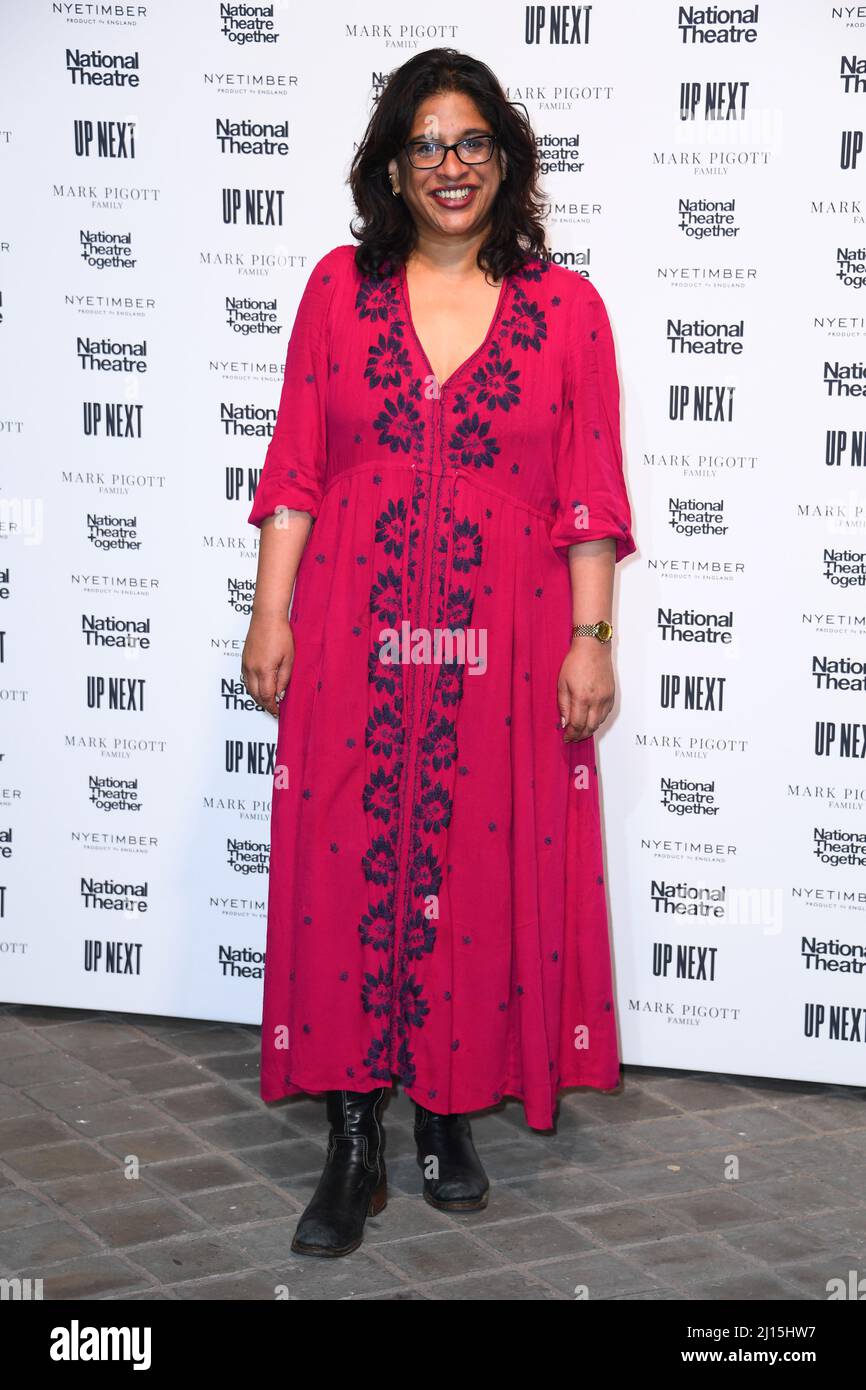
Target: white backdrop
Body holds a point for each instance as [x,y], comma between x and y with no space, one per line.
[135,776]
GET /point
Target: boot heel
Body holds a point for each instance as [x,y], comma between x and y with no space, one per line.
[379,1200]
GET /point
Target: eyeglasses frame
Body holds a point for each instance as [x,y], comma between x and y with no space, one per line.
[446,150]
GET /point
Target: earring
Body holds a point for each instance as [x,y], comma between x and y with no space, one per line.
[395,191]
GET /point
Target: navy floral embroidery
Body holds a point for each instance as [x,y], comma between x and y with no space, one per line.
[391,528]
[467,546]
[472,443]
[409,782]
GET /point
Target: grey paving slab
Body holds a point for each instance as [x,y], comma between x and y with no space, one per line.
[154,1145]
[62,1160]
[14,1043]
[173,1074]
[197,1174]
[716,1210]
[15,1103]
[394,1296]
[684,1260]
[189,1257]
[65,1097]
[829,1114]
[30,1131]
[597,1274]
[752,1161]
[798,1194]
[127,1115]
[240,1067]
[593,1108]
[90,1035]
[90,1276]
[265,1244]
[120,1055]
[780,1242]
[287,1160]
[212,1041]
[629,1223]
[754,1287]
[534,1238]
[19,1208]
[407,1217]
[654,1177]
[567,1190]
[246,1130]
[439,1255]
[838,1271]
[256,1285]
[698,1093]
[45,1244]
[205,1102]
[599,1146]
[845,1221]
[155,1219]
[97,1191]
[306,1279]
[509,1284]
[31,1068]
[43,1016]
[237,1206]
[755,1122]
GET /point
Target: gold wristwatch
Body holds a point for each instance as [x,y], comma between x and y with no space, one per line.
[602,630]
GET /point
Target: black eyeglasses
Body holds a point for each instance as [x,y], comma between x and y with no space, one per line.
[429,154]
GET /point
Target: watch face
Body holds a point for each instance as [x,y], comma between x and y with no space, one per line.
[604,631]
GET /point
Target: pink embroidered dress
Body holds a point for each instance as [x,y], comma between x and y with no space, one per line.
[436,907]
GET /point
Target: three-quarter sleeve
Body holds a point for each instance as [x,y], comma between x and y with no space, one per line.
[293,474]
[591,492]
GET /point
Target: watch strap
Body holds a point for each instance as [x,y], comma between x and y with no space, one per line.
[601,630]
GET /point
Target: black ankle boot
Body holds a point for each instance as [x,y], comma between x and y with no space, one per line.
[352,1185]
[462,1183]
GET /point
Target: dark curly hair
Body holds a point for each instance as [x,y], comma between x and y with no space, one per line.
[387,231]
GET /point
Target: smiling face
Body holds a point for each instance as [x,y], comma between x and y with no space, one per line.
[454,199]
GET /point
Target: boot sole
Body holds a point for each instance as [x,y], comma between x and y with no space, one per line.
[470,1204]
[378,1202]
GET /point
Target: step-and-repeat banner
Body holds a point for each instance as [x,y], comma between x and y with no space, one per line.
[171,173]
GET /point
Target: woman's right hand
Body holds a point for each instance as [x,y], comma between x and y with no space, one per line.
[267,660]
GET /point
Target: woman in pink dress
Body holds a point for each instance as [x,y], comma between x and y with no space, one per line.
[449,420]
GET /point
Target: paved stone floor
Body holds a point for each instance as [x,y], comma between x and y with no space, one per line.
[629,1199]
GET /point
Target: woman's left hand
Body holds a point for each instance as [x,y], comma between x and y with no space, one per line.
[586,688]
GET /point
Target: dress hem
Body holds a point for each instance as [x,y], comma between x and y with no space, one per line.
[509,1091]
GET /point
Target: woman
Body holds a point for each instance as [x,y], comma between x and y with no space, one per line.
[449,419]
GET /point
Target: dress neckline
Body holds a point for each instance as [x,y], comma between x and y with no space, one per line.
[404,291]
